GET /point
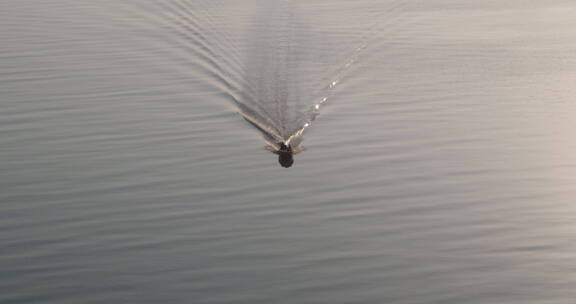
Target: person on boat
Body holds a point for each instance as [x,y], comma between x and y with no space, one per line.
[285,155]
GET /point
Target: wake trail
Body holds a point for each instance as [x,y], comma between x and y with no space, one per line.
[328,90]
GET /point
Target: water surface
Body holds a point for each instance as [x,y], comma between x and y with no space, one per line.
[439,169]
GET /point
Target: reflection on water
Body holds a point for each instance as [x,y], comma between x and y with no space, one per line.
[440,170]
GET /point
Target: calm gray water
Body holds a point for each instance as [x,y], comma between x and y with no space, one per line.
[441,167]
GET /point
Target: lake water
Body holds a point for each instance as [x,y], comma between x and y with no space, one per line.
[438,162]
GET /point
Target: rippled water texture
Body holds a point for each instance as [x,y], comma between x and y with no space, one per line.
[439,162]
